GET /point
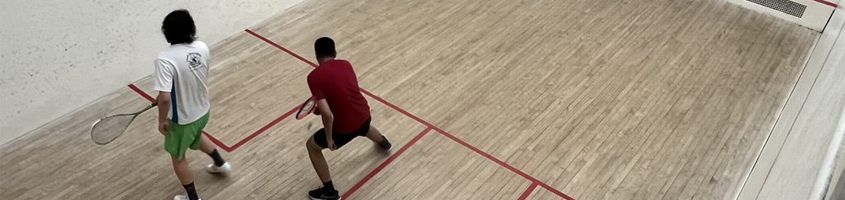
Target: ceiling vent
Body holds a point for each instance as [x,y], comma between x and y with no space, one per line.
[785,6]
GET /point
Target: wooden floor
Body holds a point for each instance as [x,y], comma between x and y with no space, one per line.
[598,99]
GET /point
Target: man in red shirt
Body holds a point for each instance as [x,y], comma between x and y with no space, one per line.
[344,110]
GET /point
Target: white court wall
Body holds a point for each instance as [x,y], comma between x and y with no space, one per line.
[57,56]
[798,158]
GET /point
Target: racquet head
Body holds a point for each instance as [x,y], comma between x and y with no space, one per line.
[110,128]
[306,108]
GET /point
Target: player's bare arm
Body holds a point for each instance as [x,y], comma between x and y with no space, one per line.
[328,120]
[163,101]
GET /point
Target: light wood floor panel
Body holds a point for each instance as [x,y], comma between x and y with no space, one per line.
[662,99]
[601,99]
[541,193]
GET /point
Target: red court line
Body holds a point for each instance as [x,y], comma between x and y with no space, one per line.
[441,131]
[505,165]
[397,108]
[528,191]
[215,140]
[827,3]
[280,47]
[384,164]
[218,142]
[469,146]
[271,124]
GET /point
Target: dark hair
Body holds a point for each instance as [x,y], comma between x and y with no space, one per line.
[324,47]
[178,27]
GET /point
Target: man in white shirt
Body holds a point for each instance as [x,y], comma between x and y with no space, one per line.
[181,79]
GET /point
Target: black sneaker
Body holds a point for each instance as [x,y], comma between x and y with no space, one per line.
[323,194]
[385,145]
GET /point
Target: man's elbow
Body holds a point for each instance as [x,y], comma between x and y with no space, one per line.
[163,97]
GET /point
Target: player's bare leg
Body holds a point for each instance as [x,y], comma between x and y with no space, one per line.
[186,178]
[375,135]
[315,152]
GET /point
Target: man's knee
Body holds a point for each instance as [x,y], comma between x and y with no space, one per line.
[311,145]
[178,161]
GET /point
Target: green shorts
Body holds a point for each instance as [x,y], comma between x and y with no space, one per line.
[182,137]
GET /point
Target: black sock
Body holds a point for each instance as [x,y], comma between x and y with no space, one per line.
[328,186]
[218,161]
[192,192]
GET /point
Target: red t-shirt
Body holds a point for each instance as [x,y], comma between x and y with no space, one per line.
[336,82]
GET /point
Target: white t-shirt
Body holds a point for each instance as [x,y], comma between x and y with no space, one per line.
[182,70]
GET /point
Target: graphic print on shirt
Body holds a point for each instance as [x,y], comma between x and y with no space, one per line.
[195,61]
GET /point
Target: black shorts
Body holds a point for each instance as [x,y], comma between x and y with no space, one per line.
[341,139]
